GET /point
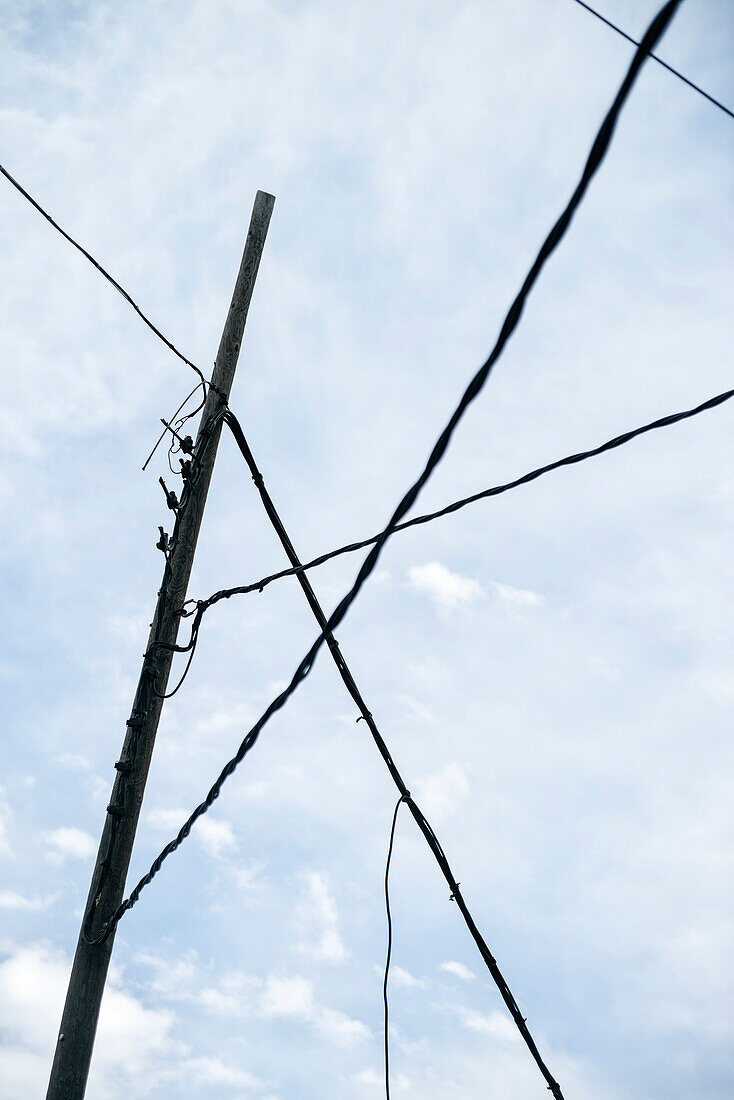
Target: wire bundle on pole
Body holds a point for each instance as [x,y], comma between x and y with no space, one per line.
[147,689]
[596,155]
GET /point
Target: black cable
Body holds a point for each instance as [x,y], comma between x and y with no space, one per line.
[146,692]
[121,290]
[596,155]
[655,57]
[389,947]
[455,506]
[178,410]
[367,717]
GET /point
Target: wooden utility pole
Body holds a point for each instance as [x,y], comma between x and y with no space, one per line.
[89,971]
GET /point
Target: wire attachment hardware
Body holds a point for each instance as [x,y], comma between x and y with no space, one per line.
[171,498]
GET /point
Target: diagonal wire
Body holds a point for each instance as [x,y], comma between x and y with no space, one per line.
[596,155]
[178,410]
[121,290]
[201,606]
[455,506]
[366,716]
[665,65]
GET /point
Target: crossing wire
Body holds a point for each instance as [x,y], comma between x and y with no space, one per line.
[596,156]
[367,717]
[665,65]
[496,490]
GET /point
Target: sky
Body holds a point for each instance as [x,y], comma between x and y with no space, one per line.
[551,669]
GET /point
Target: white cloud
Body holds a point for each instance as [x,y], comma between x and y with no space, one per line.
[5,848]
[132,627]
[5,813]
[131,1040]
[9,899]
[403,979]
[317,921]
[287,997]
[458,970]
[249,878]
[446,589]
[339,1029]
[213,834]
[75,761]
[220,1004]
[210,1071]
[293,998]
[600,667]
[172,977]
[414,708]
[516,599]
[166,820]
[69,843]
[439,794]
[494,1024]
[369,1077]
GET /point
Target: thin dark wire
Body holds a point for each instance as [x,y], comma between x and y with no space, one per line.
[184,674]
[145,692]
[121,290]
[178,410]
[655,57]
[596,155]
[366,716]
[455,506]
[389,947]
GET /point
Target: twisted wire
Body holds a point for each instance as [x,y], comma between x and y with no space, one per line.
[105,274]
[596,155]
[665,65]
[367,717]
[457,505]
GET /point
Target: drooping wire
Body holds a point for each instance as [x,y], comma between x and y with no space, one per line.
[629,38]
[389,948]
[105,274]
[455,506]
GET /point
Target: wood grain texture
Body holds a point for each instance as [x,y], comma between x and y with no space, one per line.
[89,970]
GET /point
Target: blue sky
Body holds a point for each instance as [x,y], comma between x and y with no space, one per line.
[551,669]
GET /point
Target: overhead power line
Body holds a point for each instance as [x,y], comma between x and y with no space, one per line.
[95,263]
[455,506]
[366,716]
[596,156]
[675,72]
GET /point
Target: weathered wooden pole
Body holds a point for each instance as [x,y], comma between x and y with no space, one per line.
[89,970]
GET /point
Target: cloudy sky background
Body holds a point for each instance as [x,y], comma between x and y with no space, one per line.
[552,669]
